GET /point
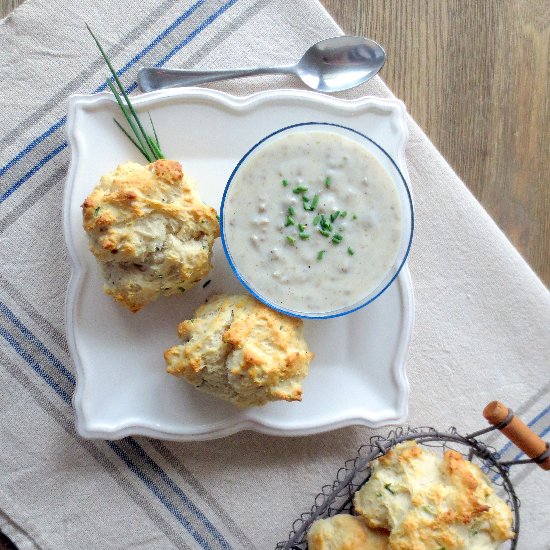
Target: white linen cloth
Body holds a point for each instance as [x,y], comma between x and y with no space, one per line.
[482,316]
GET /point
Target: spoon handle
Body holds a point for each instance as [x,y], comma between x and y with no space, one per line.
[151,78]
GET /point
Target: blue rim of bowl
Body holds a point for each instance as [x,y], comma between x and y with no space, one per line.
[255,292]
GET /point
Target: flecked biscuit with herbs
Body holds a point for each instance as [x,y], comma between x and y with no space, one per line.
[428,502]
[242,351]
[150,231]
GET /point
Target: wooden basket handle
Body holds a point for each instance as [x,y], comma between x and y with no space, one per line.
[517,432]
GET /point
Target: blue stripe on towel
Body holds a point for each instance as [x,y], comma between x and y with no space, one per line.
[10,316]
[35,341]
[60,123]
[34,364]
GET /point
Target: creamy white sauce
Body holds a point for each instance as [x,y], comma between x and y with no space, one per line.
[267,248]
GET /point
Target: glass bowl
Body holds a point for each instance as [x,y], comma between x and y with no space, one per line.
[407,219]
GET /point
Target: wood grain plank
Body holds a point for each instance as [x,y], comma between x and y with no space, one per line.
[475,76]
[7,6]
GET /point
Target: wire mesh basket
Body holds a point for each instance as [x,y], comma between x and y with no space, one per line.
[338,497]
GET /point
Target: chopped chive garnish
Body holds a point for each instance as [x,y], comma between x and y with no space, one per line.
[324,232]
[300,189]
[343,214]
[325,224]
[207,283]
[388,488]
[289,221]
[285,183]
[327,182]
[309,204]
[96,211]
[320,255]
[354,217]
[334,215]
[336,239]
[351,252]
[314,202]
[291,211]
[301,227]
[304,236]
[316,219]
[217,217]
[290,239]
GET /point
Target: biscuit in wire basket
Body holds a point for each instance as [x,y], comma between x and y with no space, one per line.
[428,502]
[345,532]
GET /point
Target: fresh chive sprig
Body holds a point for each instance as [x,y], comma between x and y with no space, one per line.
[147,145]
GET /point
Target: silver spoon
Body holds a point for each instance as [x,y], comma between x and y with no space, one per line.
[331,65]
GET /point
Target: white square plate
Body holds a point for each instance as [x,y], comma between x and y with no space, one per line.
[358,374]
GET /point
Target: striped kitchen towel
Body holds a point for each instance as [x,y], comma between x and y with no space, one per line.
[482,316]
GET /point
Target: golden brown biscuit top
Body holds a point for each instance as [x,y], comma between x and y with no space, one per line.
[242,350]
[345,532]
[429,502]
[150,231]
[133,191]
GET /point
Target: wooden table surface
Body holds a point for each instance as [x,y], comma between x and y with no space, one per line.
[475,75]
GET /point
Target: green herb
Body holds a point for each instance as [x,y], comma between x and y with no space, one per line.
[181,289]
[314,202]
[316,219]
[154,131]
[207,283]
[289,221]
[304,236]
[337,239]
[388,488]
[301,227]
[325,224]
[350,251]
[354,217]
[343,214]
[334,215]
[307,206]
[324,232]
[290,239]
[148,145]
[327,182]
[300,189]
[291,211]
[285,183]
[96,211]
[217,217]
[320,255]
[430,509]
[474,532]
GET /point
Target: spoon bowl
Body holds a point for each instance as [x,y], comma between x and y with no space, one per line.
[331,65]
[340,63]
